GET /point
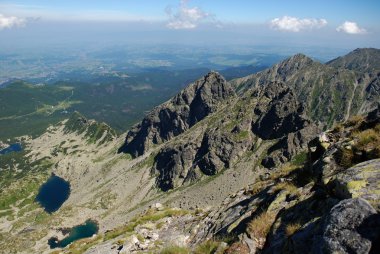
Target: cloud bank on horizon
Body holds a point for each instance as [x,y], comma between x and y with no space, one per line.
[7,22]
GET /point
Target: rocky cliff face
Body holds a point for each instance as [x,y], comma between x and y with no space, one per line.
[279,112]
[282,118]
[179,114]
[271,113]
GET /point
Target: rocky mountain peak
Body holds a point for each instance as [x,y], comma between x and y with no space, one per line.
[330,92]
[177,115]
[213,75]
[299,57]
[294,64]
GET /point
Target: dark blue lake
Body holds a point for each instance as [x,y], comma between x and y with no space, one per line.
[12,148]
[87,229]
[53,193]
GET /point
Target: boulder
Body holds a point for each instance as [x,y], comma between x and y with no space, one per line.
[157,206]
[374,115]
[352,226]
[361,180]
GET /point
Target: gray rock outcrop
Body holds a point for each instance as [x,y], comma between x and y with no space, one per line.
[174,166]
[361,180]
[219,150]
[281,116]
[279,112]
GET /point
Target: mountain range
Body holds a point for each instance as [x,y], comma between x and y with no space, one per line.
[285,160]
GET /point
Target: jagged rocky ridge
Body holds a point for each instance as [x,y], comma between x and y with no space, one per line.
[285,105]
[361,60]
[275,116]
[331,92]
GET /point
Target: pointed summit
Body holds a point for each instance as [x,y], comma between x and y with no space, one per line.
[295,63]
[300,57]
[174,117]
[213,75]
[291,66]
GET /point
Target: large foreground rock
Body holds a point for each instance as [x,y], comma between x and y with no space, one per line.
[361,180]
[353,226]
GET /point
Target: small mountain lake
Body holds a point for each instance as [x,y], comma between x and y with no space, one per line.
[88,229]
[53,193]
[16,147]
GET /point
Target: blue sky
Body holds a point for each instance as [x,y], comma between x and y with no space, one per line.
[246,11]
[349,23]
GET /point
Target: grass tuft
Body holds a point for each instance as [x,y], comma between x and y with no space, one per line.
[354,121]
[368,137]
[292,228]
[260,226]
[175,250]
[288,187]
[208,247]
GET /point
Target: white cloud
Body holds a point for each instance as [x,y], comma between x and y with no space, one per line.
[293,24]
[10,21]
[185,17]
[351,28]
